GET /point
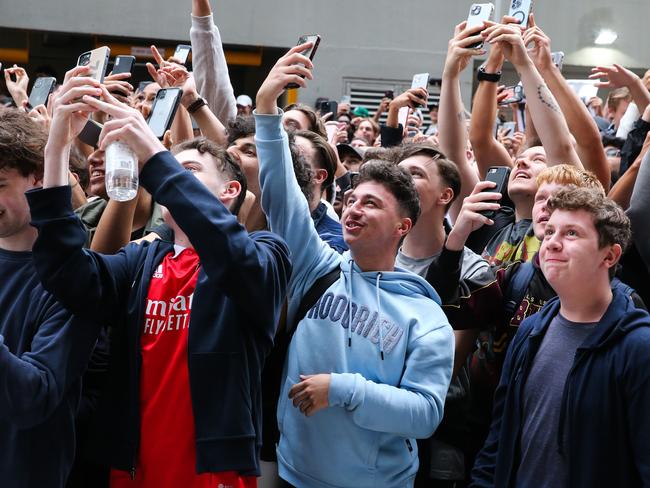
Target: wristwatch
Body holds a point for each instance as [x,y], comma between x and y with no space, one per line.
[196,104]
[481,75]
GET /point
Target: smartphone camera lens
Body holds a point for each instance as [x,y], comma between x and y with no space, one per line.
[85,59]
[162,94]
[476,10]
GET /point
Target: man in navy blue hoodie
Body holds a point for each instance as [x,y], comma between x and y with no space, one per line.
[571,409]
[183,405]
[43,349]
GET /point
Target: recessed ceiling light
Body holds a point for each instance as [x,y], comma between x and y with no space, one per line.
[606,37]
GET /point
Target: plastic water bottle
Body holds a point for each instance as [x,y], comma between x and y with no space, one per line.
[121,172]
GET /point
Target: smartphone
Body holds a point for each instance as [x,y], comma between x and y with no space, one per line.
[420,80]
[41,91]
[500,176]
[90,133]
[313,38]
[182,52]
[520,10]
[515,95]
[97,59]
[558,59]
[479,13]
[123,64]
[329,107]
[163,110]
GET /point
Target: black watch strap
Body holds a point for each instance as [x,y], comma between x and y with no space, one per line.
[196,104]
[481,75]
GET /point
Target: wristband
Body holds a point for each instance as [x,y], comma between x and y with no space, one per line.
[196,104]
[481,75]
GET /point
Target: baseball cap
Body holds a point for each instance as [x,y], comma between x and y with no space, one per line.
[244,101]
[347,149]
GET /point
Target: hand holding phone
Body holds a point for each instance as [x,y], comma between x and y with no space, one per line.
[314,39]
[500,176]
[479,13]
[420,80]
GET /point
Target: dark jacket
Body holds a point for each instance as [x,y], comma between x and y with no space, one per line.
[43,352]
[329,229]
[239,294]
[604,422]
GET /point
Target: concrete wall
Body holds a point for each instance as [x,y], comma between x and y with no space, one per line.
[361,38]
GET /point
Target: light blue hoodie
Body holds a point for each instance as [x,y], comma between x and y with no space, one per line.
[390,370]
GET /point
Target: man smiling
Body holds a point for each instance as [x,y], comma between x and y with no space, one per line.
[575,388]
[369,364]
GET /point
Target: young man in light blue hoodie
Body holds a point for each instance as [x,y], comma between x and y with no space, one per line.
[358,391]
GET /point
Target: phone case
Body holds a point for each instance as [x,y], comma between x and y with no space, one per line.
[163,110]
[479,13]
[41,91]
[500,176]
[315,38]
[123,64]
[520,10]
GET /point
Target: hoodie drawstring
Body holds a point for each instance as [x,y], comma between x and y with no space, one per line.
[351,263]
[381,332]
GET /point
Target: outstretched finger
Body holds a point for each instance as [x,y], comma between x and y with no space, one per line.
[531,21]
[157,56]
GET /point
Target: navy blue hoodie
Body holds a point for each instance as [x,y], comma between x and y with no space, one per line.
[43,353]
[604,419]
[239,294]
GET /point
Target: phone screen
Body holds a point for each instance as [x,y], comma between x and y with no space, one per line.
[182,52]
[163,110]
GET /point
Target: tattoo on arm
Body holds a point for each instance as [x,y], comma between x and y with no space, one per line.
[546,97]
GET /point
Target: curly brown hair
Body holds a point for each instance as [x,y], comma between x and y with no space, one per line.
[612,225]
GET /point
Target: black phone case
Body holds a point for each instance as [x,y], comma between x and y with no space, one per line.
[125,66]
[500,177]
[311,55]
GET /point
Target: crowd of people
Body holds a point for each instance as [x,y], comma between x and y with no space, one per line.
[317,300]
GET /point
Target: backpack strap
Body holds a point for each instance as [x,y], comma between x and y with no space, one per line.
[310,298]
[517,286]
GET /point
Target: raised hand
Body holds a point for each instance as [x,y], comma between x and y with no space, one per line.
[459,50]
[616,76]
[540,51]
[17,89]
[509,39]
[69,111]
[469,218]
[163,75]
[126,125]
[293,67]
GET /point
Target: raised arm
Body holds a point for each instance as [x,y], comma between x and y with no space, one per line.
[286,208]
[544,110]
[452,128]
[209,63]
[581,123]
[640,209]
[617,76]
[249,269]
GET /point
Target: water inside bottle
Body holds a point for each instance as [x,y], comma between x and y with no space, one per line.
[121,185]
